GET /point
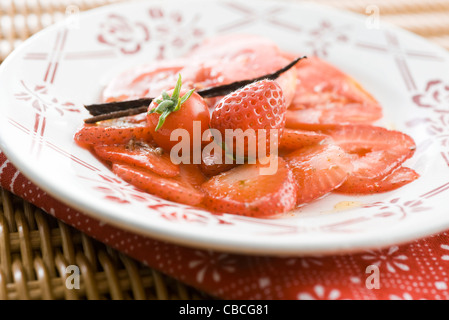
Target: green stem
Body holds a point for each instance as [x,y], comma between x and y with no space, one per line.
[170,104]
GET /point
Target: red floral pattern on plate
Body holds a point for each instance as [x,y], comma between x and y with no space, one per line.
[41,101]
[399,207]
[122,193]
[126,35]
[435,96]
[169,30]
[174,31]
[324,36]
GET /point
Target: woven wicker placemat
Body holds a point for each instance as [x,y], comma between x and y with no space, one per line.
[35,248]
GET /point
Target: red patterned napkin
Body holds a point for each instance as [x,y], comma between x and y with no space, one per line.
[415,271]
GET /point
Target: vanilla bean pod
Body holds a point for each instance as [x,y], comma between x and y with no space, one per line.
[113,110]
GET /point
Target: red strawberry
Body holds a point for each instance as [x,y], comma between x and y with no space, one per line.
[296,139]
[318,170]
[376,152]
[244,191]
[398,178]
[172,189]
[326,96]
[260,105]
[139,155]
[117,131]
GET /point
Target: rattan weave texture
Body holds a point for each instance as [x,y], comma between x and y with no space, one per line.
[36,249]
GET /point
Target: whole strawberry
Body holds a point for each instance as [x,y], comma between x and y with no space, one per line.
[260,107]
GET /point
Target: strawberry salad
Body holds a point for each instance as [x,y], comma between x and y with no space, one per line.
[262,150]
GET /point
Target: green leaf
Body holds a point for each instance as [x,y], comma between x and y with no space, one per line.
[162,119]
[165,96]
[177,89]
[178,105]
[164,105]
[187,96]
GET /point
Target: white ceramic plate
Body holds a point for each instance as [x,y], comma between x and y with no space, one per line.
[45,82]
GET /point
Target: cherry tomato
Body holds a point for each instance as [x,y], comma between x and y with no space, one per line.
[193,109]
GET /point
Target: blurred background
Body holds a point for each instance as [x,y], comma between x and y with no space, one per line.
[19,19]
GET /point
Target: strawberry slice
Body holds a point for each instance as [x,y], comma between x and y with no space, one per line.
[375,151]
[244,191]
[297,139]
[172,189]
[334,113]
[318,170]
[116,131]
[144,80]
[325,95]
[139,155]
[394,180]
[234,57]
[216,61]
[192,174]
